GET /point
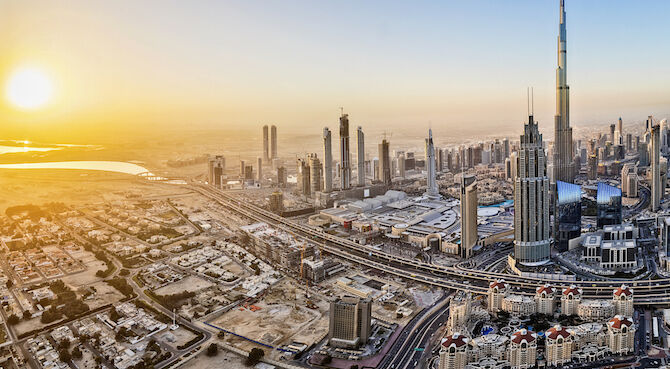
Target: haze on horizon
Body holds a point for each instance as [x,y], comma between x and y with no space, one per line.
[235,65]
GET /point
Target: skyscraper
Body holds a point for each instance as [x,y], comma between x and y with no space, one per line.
[304,177]
[327,160]
[260,170]
[608,200]
[360,141]
[217,166]
[431,180]
[469,202]
[350,322]
[345,155]
[273,141]
[384,162]
[655,157]
[531,200]
[568,217]
[315,173]
[620,132]
[564,168]
[266,144]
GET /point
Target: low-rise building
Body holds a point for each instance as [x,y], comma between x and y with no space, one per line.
[570,299]
[497,291]
[622,298]
[559,345]
[454,352]
[545,299]
[621,335]
[523,349]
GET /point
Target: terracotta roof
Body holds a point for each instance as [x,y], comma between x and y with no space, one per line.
[623,290]
[556,331]
[618,321]
[572,290]
[523,335]
[547,288]
[456,340]
[500,284]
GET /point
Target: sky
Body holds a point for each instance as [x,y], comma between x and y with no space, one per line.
[461,67]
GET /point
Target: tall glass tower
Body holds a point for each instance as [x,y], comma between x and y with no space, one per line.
[564,166]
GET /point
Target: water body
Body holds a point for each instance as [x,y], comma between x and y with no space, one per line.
[108,166]
[21,149]
[14,146]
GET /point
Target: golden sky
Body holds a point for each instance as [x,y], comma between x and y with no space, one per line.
[144,65]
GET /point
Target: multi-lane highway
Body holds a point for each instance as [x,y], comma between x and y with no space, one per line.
[457,277]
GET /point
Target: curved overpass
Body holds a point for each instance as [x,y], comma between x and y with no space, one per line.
[454,277]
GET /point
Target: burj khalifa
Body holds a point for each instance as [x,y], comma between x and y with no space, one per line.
[564,166]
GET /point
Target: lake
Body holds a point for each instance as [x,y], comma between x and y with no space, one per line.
[109,166]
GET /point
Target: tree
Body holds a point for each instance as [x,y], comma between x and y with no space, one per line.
[76,353]
[27,315]
[124,272]
[13,319]
[212,349]
[114,315]
[255,356]
[64,355]
[9,283]
[221,335]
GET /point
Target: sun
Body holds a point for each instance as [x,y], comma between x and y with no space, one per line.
[29,88]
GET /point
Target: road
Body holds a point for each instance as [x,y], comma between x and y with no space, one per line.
[647,292]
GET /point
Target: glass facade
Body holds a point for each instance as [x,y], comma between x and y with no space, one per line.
[609,205]
[568,214]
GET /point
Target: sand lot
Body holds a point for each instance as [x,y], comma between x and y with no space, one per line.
[105,294]
[88,276]
[283,318]
[177,337]
[225,359]
[190,283]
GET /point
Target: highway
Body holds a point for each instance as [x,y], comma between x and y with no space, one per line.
[459,277]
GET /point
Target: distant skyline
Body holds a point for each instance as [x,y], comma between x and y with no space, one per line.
[461,67]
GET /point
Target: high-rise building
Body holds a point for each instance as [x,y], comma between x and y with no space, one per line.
[260,170]
[568,215]
[592,167]
[360,143]
[629,180]
[401,166]
[266,144]
[612,133]
[608,202]
[281,177]
[277,202]
[304,178]
[619,140]
[243,165]
[431,173]
[273,142]
[531,200]
[384,162]
[217,166]
[327,160]
[655,177]
[469,202]
[350,322]
[345,154]
[563,165]
[315,173]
